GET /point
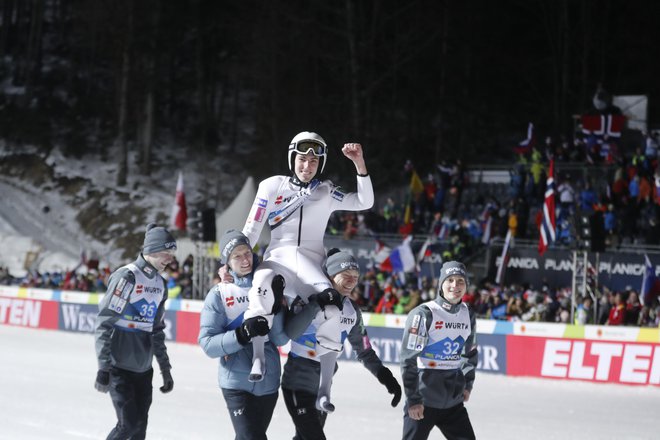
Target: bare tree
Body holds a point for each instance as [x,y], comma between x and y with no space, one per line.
[120,140]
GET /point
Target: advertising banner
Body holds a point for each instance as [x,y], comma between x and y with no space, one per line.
[615,270]
[492,353]
[594,361]
[78,317]
[28,313]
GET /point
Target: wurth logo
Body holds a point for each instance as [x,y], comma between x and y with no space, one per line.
[262,291]
[139,289]
[229,301]
[238,412]
[439,324]
[457,325]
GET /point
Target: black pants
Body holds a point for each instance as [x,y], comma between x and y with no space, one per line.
[308,420]
[249,414]
[454,423]
[131,396]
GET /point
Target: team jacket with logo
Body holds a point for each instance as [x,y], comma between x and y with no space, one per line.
[296,247]
[223,311]
[302,369]
[130,327]
[438,353]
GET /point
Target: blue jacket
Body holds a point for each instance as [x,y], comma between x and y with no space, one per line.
[223,311]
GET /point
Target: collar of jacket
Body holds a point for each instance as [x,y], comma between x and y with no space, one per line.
[446,305]
[145,267]
[298,182]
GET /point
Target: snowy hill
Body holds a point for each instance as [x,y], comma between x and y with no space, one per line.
[55,205]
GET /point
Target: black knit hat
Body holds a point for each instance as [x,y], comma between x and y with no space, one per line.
[157,239]
[229,241]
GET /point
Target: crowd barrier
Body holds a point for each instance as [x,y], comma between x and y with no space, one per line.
[624,355]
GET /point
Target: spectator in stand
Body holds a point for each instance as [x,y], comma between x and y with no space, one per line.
[611,227]
[584,313]
[516,308]
[619,187]
[618,311]
[387,301]
[633,309]
[566,196]
[588,198]
[498,308]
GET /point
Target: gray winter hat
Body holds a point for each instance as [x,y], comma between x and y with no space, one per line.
[339,261]
[229,241]
[157,239]
[452,268]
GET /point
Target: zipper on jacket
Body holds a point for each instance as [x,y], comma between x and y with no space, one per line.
[300,225]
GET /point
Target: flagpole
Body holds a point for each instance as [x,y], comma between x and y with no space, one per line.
[499,278]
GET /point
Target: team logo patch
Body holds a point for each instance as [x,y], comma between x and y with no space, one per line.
[338,194]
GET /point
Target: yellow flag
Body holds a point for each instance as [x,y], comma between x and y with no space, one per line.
[416,185]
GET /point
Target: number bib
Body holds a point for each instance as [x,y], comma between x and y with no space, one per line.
[142,305]
[446,338]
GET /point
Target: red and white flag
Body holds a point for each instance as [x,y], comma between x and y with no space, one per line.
[179,211]
[601,125]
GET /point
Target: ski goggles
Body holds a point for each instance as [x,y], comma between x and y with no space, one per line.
[306,147]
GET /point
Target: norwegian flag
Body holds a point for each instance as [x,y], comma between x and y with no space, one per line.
[601,125]
[179,211]
[548,224]
[526,145]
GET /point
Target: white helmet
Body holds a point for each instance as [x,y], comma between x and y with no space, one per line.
[306,142]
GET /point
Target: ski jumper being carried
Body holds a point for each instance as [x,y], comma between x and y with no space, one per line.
[297,209]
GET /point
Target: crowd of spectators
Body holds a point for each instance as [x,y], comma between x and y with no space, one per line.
[91,277]
[622,194]
[380,292]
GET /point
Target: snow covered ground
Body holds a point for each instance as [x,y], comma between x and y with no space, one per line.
[46,392]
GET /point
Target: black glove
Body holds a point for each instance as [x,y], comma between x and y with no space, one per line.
[277,285]
[251,327]
[329,297]
[168,382]
[386,378]
[102,383]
